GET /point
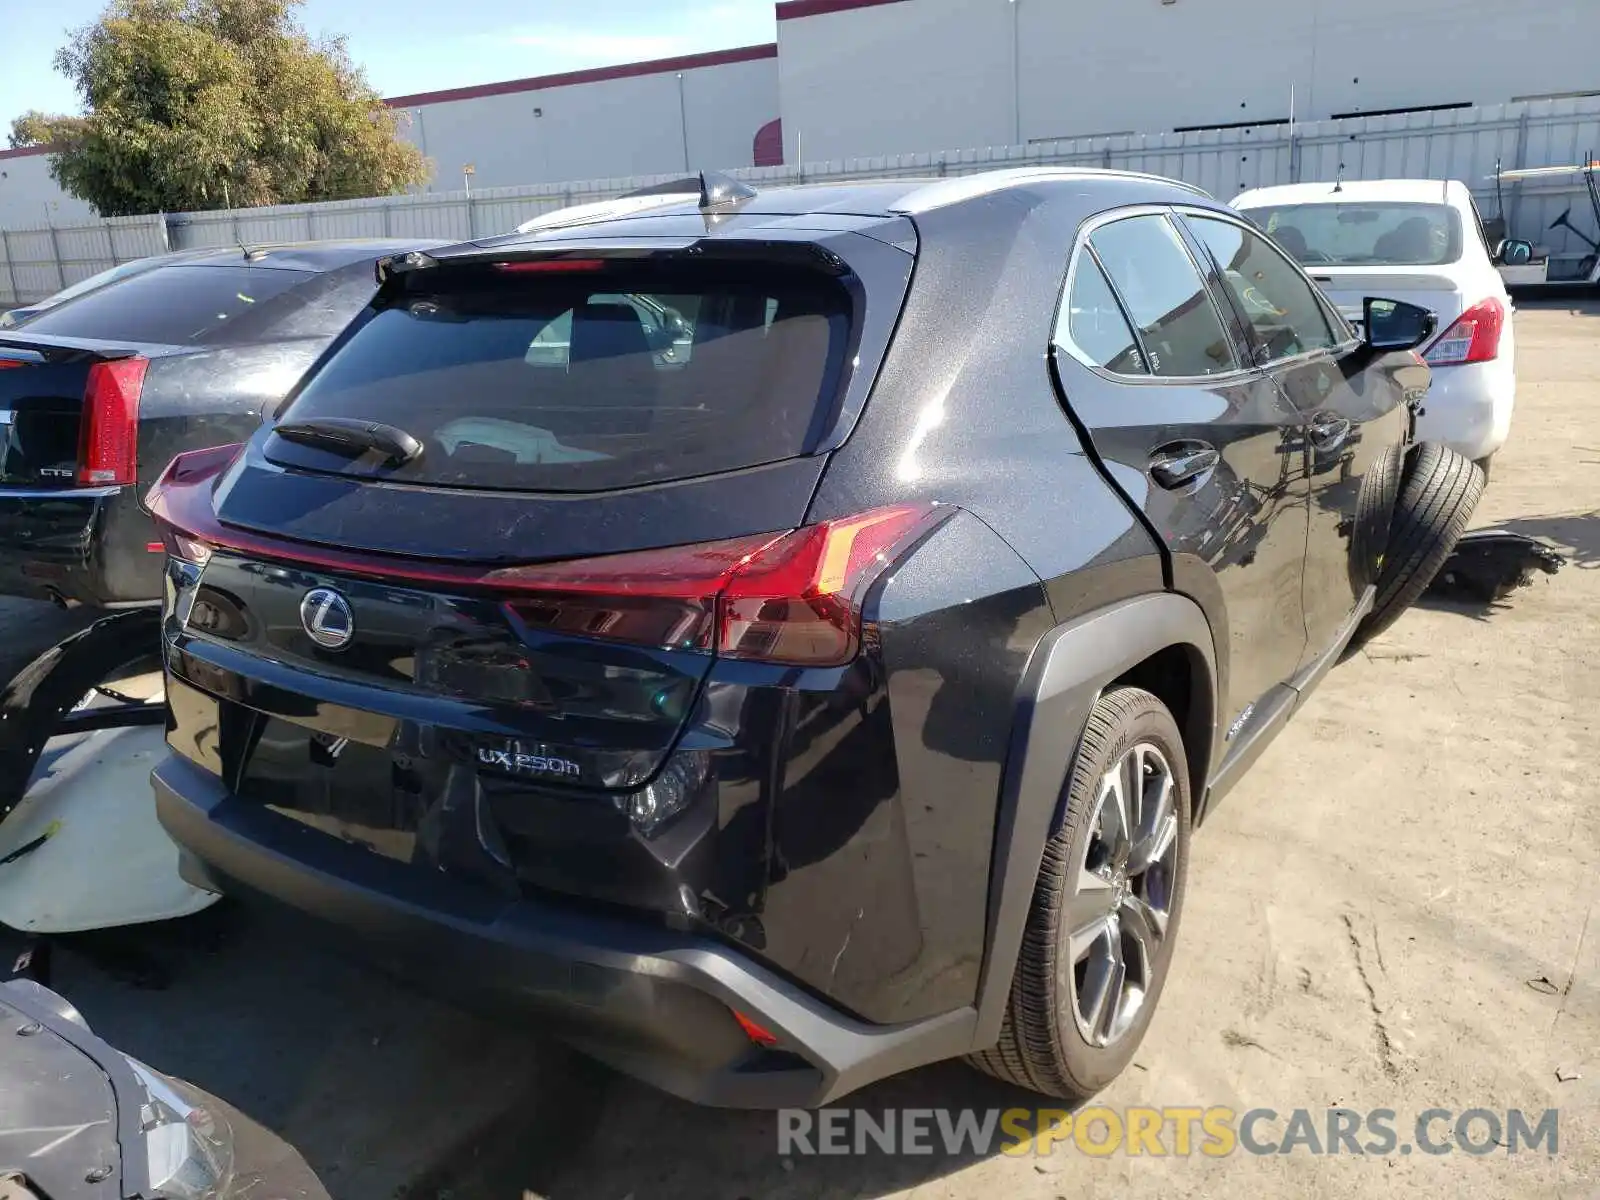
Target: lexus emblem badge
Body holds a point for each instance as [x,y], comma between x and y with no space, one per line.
[327,618]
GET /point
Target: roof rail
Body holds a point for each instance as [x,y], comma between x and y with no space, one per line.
[984,183]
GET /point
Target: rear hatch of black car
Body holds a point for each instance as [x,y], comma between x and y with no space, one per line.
[486,547]
[53,395]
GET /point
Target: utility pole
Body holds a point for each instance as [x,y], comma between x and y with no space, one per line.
[683,123]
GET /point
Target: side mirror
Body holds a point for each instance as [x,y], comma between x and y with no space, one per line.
[1514,253]
[1396,325]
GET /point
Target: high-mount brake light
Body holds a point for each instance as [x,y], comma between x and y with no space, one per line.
[550,266]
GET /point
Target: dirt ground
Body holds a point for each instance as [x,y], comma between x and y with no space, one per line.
[1392,911]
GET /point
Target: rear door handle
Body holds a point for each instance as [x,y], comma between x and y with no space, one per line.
[1175,465]
[1328,432]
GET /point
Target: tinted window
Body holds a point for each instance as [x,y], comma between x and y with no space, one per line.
[625,375]
[1163,292]
[1093,322]
[319,308]
[173,305]
[135,267]
[1351,233]
[1279,303]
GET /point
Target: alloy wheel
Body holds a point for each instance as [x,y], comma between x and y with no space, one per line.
[1121,899]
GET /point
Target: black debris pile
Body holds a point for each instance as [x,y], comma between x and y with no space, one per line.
[1489,564]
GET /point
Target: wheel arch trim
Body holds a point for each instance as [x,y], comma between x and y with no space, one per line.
[1066,674]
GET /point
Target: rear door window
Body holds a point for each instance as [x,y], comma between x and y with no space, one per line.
[1093,326]
[1161,289]
[173,306]
[616,376]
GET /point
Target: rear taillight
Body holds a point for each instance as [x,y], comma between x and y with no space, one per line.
[757,1033]
[791,597]
[185,548]
[1475,336]
[108,445]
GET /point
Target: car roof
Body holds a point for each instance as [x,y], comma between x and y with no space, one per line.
[865,200]
[1360,191]
[299,256]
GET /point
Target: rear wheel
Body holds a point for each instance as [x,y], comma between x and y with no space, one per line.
[1099,937]
[1438,493]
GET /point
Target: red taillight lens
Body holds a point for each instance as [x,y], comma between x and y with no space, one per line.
[799,599]
[1475,336]
[790,598]
[759,1034]
[108,445]
[185,548]
[551,265]
[180,503]
[6,363]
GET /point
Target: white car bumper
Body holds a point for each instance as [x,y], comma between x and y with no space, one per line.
[1468,408]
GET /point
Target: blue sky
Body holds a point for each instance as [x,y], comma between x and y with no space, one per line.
[423,45]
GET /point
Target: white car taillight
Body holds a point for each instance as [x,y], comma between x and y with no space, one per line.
[1475,336]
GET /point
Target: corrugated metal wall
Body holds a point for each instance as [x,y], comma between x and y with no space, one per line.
[1463,144]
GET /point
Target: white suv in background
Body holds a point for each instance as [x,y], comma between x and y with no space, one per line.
[1419,240]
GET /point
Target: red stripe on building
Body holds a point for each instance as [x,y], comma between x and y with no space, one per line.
[537,83]
[26,151]
[788,10]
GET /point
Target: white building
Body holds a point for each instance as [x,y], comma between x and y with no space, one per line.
[888,76]
[862,77]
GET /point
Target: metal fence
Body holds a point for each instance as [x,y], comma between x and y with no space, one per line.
[1465,144]
[38,262]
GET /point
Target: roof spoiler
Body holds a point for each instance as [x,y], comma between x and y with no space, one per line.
[715,189]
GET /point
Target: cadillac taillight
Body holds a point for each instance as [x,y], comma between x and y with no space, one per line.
[108,440]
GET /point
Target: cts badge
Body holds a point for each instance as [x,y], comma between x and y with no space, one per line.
[327,618]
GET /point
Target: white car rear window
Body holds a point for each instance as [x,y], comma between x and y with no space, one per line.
[1356,234]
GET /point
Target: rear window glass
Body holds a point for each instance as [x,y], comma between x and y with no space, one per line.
[1412,235]
[606,378]
[175,306]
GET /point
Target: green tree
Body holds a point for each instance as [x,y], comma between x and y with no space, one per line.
[197,104]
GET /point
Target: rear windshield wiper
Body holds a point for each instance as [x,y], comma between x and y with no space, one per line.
[346,435]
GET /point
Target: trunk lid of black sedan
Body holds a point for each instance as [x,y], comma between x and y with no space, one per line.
[484,558]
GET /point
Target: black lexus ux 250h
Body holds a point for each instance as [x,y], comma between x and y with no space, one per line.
[776,640]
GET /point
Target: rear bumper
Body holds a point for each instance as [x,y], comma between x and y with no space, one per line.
[648,1001]
[1469,407]
[86,545]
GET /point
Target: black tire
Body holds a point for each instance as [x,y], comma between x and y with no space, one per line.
[1437,498]
[1375,507]
[1484,464]
[1041,1046]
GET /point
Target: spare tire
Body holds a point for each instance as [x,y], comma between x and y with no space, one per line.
[1438,493]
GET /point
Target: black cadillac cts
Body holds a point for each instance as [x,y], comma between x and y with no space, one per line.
[777,640]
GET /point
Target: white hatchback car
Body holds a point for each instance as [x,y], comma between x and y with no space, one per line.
[1419,240]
